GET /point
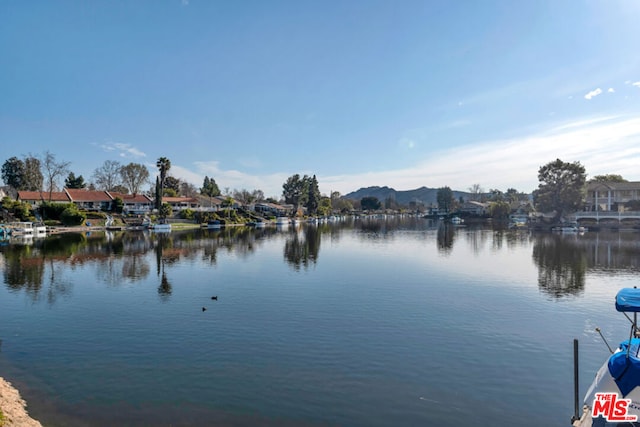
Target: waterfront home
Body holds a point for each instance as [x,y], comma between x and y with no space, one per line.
[36,198]
[273,209]
[137,204]
[181,203]
[612,196]
[90,200]
[473,208]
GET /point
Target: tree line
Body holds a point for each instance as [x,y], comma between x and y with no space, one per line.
[561,189]
[43,173]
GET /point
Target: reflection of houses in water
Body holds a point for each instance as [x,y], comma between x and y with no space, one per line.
[613,250]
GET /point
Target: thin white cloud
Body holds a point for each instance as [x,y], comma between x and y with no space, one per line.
[606,144]
[121,150]
[636,84]
[593,93]
[602,145]
[611,90]
[270,184]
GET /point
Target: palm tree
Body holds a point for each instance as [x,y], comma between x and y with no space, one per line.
[163,165]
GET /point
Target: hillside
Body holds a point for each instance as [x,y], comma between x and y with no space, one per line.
[424,195]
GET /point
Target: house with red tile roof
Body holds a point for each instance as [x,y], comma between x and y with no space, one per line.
[90,199]
[134,203]
[181,203]
[35,198]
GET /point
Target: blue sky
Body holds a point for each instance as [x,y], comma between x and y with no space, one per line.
[359,92]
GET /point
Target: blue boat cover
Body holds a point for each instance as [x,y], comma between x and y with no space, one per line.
[626,370]
[628,299]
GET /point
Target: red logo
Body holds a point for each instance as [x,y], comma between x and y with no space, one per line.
[611,408]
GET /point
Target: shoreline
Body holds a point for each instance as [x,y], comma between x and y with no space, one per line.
[13,408]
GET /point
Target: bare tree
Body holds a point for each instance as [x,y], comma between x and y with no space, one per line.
[108,176]
[134,175]
[53,170]
[476,192]
[187,189]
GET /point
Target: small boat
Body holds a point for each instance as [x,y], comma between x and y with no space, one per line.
[214,225]
[570,227]
[5,231]
[614,395]
[39,228]
[282,220]
[21,228]
[456,220]
[160,228]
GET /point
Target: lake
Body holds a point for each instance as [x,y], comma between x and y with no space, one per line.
[362,322]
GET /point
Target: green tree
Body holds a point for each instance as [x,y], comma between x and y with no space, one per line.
[209,188]
[74,182]
[163,164]
[13,173]
[608,178]
[165,210]
[158,198]
[370,203]
[118,205]
[172,183]
[444,197]
[296,191]
[134,176]
[72,216]
[313,195]
[108,177]
[33,178]
[496,195]
[561,188]
[499,209]
[325,206]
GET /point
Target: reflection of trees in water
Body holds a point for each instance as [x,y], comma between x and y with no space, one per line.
[302,252]
[445,236]
[562,264]
[163,243]
[512,238]
[477,239]
[21,272]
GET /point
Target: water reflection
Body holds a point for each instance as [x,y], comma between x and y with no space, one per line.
[446,234]
[41,269]
[117,258]
[301,249]
[562,264]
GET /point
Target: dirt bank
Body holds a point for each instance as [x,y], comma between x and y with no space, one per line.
[14,413]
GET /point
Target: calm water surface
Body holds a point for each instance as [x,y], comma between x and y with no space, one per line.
[359,323]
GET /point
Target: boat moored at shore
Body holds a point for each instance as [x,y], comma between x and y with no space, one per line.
[614,395]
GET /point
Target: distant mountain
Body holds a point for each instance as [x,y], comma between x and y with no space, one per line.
[424,195]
